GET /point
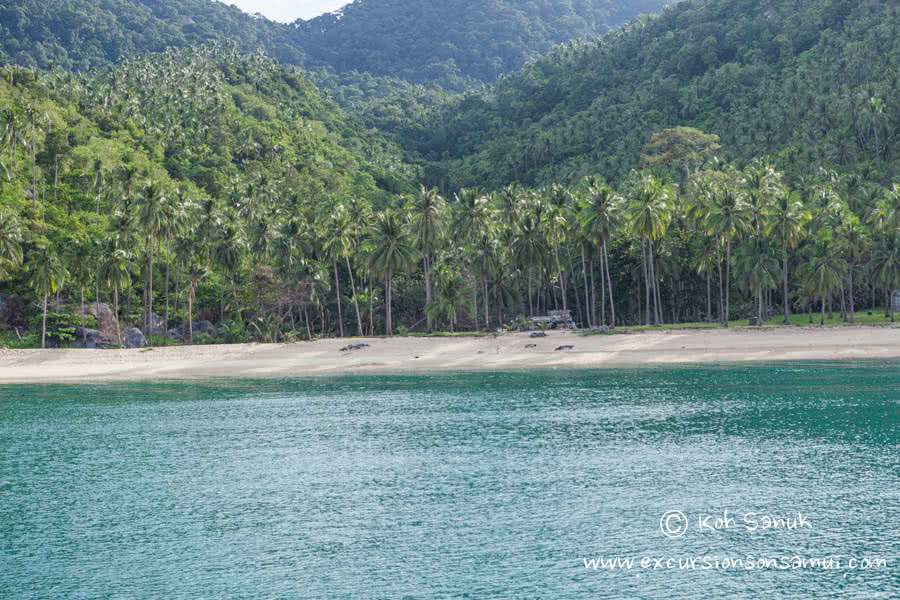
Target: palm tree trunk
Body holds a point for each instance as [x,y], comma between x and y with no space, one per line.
[429,325]
[727,280]
[371,311]
[612,301]
[593,308]
[487,317]
[337,285]
[708,298]
[530,299]
[721,291]
[190,315]
[44,325]
[562,281]
[166,322]
[646,283]
[822,321]
[654,290]
[587,296]
[116,302]
[387,304]
[83,324]
[787,303]
[852,312]
[355,300]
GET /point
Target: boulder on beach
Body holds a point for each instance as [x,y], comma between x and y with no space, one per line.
[158,322]
[133,338]
[89,338]
[106,319]
[183,332]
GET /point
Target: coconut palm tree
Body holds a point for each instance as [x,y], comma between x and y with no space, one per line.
[151,217]
[787,220]
[427,212]
[452,299]
[885,265]
[12,234]
[390,251]
[727,218]
[340,243]
[823,270]
[650,210]
[756,261]
[115,271]
[601,215]
[47,272]
[227,254]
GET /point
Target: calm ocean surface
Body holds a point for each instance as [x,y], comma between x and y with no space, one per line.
[457,486]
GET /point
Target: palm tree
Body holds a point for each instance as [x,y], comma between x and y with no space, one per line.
[151,217]
[115,271]
[788,218]
[727,217]
[12,235]
[824,269]
[885,265]
[47,271]
[390,252]
[600,216]
[227,255]
[756,261]
[81,258]
[340,244]
[650,213]
[452,299]
[853,241]
[427,212]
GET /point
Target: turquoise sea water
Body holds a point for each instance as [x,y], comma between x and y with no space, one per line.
[457,485]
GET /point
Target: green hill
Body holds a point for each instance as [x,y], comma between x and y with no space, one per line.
[454,43]
[813,84]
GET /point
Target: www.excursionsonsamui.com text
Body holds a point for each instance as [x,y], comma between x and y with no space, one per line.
[709,563]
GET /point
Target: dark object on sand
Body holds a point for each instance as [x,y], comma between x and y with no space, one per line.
[564,348]
[537,334]
[531,345]
[354,347]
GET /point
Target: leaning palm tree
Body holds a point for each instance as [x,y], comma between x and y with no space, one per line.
[427,211]
[47,272]
[12,234]
[339,243]
[390,252]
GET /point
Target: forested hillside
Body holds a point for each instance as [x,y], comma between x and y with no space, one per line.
[79,35]
[812,84]
[455,42]
[196,155]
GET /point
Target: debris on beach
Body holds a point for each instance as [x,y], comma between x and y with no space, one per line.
[537,334]
[354,347]
[531,345]
[564,348]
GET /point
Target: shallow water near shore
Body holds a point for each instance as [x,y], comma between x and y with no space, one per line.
[458,485]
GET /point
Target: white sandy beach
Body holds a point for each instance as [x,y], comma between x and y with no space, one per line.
[412,354]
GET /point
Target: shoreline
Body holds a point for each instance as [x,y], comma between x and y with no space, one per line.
[420,355]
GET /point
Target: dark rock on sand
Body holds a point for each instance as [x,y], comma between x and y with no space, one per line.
[133,338]
[537,334]
[564,348]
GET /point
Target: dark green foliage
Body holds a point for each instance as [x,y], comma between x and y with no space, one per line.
[81,35]
[811,83]
[454,42]
[61,326]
